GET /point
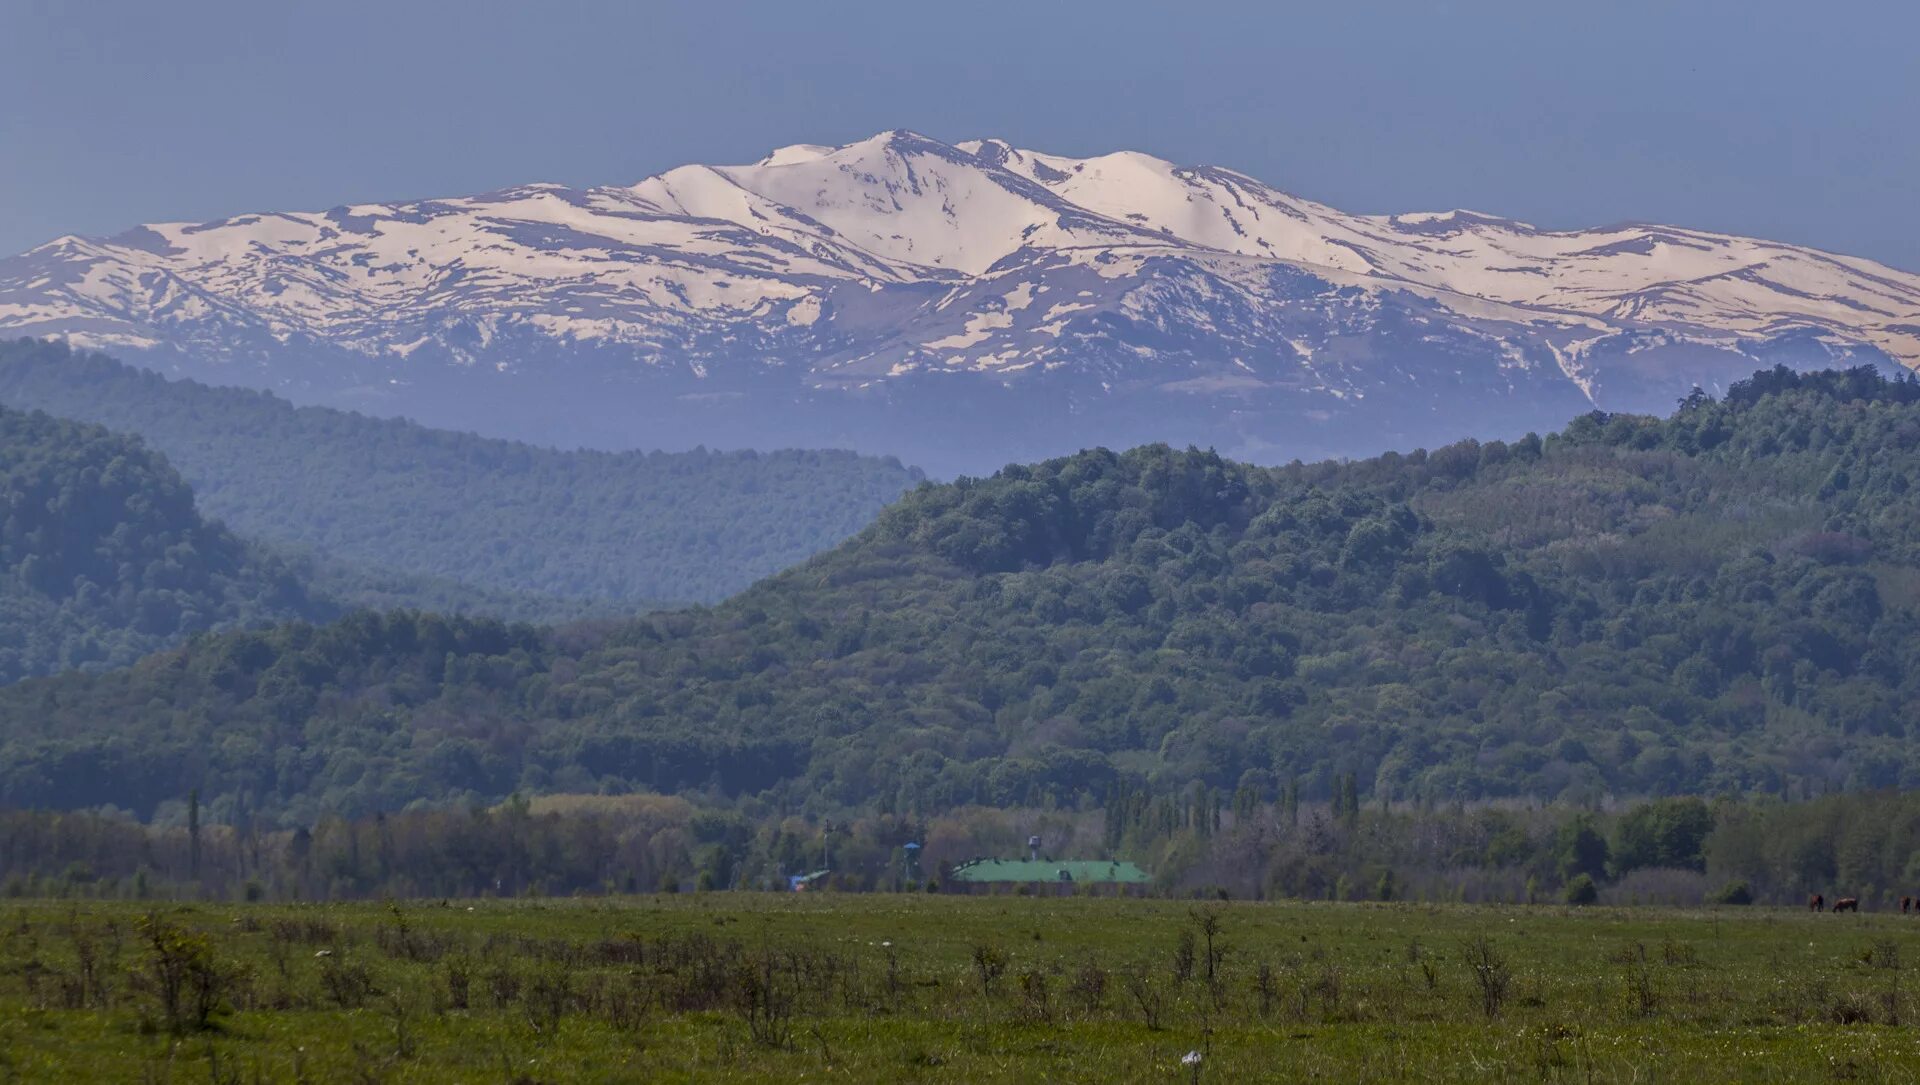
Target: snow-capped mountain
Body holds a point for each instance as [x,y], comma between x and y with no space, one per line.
[961,305]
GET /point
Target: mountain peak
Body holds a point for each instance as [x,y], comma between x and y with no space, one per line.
[795,153]
[1119,282]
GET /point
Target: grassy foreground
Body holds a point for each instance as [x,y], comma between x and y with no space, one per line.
[755,987]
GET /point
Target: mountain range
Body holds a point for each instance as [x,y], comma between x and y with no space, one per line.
[959,305]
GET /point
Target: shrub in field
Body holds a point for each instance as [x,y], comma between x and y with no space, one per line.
[1734,892]
[1207,921]
[1549,1050]
[547,999]
[1581,890]
[764,996]
[1490,973]
[188,984]
[1265,986]
[503,986]
[1850,1008]
[349,983]
[989,963]
[397,939]
[1429,967]
[1678,954]
[1184,955]
[1036,1001]
[95,962]
[1149,999]
[399,1010]
[459,984]
[893,971]
[1885,956]
[1328,987]
[1637,974]
[1089,986]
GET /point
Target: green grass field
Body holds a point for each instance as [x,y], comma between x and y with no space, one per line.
[768,987]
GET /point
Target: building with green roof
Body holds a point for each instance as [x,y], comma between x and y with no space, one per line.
[1055,872]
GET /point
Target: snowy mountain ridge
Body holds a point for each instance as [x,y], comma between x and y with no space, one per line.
[954,296]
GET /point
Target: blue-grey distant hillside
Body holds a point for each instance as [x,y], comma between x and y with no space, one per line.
[503,528]
[103,557]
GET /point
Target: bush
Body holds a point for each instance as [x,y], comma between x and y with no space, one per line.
[188,984]
[1735,892]
[1490,970]
[1581,890]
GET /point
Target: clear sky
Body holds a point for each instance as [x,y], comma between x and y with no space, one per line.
[1789,120]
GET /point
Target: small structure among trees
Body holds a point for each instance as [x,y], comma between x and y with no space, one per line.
[801,883]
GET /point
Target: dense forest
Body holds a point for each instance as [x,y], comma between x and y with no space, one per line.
[1720,601]
[103,557]
[390,512]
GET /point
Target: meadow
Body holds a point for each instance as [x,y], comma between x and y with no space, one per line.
[877,987]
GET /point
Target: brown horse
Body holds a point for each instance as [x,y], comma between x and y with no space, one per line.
[1906,905]
[1816,903]
[1846,904]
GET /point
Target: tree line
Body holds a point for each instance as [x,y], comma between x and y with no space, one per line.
[1677,851]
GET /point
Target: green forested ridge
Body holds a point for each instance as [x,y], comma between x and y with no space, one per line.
[1722,600]
[523,525]
[103,557]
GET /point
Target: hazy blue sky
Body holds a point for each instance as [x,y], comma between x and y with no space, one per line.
[1797,121]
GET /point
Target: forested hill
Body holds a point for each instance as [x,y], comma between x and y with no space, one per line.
[103,557]
[1725,599]
[629,529]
